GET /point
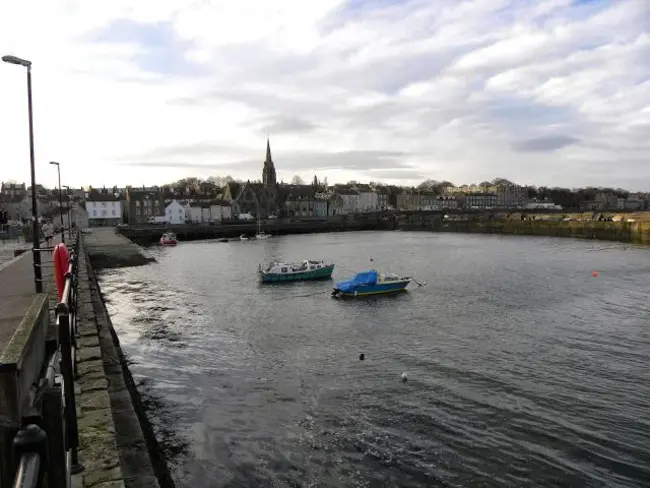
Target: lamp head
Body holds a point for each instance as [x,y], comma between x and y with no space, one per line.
[16,60]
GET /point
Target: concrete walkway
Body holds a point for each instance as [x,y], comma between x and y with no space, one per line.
[17,291]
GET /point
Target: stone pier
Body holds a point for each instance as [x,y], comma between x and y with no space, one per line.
[112,445]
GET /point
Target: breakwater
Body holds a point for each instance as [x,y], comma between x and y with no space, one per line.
[633,232]
[107,248]
[115,428]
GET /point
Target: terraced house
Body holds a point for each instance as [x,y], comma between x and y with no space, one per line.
[104,207]
[141,204]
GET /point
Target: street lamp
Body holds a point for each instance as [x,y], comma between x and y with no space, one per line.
[69,209]
[58,169]
[36,237]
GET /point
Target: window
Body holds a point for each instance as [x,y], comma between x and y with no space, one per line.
[94,215]
[137,203]
[113,211]
[103,213]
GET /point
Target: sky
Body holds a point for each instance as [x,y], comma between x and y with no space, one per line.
[548,92]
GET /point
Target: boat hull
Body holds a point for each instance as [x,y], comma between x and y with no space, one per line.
[314,274]
[376,289]
[168,243]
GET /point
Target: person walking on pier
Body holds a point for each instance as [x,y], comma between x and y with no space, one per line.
[48,232]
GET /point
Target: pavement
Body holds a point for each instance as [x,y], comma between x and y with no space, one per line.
[17,291]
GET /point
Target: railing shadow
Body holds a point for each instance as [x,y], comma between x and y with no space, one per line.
[45,448]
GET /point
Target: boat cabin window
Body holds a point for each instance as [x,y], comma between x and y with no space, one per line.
[284,270]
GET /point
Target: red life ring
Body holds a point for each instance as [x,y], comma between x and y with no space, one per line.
[61,262]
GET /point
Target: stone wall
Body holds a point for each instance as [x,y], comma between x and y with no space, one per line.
[112,447]
[634,232]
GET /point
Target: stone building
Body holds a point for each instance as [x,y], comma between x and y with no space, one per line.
[142,204]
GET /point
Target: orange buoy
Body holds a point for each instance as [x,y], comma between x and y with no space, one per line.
[61,258]
[595,274]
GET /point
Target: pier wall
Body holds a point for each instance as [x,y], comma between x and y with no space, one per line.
[117,446]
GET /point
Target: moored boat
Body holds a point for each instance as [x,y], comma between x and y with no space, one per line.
[371,283]
[261,235]
[243,237]
[305,270]
[168,239]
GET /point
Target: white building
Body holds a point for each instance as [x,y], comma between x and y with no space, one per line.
[193,212]
[350,199]
[368,200]
[103,209]
[175,213]
[542,205]
[220,211]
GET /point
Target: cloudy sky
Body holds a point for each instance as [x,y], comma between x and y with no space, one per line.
[553,92]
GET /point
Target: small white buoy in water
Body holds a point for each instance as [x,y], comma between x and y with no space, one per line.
[405,378]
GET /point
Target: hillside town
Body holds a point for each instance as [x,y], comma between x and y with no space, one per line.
[224,199]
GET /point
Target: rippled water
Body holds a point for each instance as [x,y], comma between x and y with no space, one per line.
[524,369]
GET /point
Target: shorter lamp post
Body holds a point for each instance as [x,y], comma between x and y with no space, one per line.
[58,169]
[69,210]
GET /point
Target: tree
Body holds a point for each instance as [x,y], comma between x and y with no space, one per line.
[297,180]
[502,181]
[220,180]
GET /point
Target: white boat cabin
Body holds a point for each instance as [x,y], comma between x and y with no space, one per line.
[277,267]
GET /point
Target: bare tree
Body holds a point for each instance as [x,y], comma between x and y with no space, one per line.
[297,180]
[220,180]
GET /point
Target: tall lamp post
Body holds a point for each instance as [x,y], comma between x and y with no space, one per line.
[58,169]
[69,209]
[36,237]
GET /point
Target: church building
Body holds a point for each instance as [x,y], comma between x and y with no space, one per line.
[258,199]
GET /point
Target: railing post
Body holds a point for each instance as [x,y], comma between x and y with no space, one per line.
[54,423]
[71,430]
[70,300]
[31,439]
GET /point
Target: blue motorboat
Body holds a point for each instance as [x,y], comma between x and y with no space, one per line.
[371,283]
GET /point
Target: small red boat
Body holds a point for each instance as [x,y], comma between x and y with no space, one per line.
[168,239]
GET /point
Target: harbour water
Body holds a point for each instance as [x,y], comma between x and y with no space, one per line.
[524,368]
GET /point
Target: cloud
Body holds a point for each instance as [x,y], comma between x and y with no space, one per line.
[460,90]
[157,47]
[543,144]
[372,164]
[279,124]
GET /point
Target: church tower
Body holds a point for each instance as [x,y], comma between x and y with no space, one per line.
[268,173]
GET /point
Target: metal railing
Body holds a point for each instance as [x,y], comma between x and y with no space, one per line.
[45,448]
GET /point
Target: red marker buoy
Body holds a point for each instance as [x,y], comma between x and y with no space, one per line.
[595,274]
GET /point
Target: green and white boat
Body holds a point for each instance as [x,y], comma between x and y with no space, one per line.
[277,272]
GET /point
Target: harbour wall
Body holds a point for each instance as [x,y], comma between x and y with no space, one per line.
[117,444]
[536,222]
[632,232]
[149,234]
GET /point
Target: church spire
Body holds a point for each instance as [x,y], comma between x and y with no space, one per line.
[268,173]
[268,152]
